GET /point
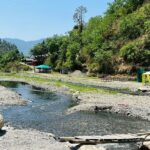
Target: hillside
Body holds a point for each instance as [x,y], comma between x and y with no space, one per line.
[23,46]
[9,54]
[117,42]
[6,47]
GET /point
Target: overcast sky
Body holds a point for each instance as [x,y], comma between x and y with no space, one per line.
[36,19]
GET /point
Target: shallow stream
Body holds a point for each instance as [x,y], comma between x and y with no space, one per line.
[46,111]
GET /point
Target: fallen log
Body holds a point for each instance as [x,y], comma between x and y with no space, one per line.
[117,138]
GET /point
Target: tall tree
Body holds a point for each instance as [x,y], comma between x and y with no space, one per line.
[79,17]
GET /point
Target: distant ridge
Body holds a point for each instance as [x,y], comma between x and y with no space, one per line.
[23,46]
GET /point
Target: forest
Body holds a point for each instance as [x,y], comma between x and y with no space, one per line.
[117,42]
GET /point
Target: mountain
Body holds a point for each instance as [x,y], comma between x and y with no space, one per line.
[23,46]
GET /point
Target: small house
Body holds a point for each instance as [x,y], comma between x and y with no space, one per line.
[30,61]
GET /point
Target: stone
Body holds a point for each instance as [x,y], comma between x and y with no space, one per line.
[91,147]
[145,146]
[1,121]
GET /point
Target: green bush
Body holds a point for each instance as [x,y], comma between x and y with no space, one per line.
[132,26]
[104,60]
[135,53]
[15,67]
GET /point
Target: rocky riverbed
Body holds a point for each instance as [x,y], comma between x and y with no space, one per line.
[131,105]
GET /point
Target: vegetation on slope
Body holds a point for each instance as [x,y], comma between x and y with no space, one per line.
[9,57]
[113,43]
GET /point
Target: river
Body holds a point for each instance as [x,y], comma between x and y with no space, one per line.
[46,111]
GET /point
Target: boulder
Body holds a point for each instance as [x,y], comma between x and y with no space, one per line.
[1,121]
[91,147]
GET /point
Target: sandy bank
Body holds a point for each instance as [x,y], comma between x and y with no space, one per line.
[8,97]
[15,139]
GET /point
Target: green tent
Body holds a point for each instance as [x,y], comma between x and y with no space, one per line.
[43,67]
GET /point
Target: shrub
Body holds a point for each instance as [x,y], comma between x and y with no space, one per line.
[104,60]
[135,52]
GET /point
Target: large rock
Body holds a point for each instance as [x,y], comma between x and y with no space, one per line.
[1,121]
[90,147]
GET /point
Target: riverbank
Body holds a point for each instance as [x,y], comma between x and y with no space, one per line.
[93,94]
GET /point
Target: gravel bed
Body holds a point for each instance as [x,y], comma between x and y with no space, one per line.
[130,105]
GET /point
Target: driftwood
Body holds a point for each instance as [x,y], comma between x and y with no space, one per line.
[116,138]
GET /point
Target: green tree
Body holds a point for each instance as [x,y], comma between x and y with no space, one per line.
[104,60]
[72,55]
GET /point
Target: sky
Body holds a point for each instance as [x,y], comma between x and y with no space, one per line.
[37,19]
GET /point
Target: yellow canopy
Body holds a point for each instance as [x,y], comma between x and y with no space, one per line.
[146,78]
